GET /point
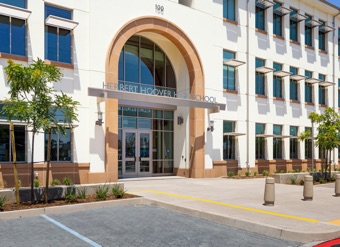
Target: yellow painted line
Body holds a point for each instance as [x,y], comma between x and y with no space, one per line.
[230,205]
[335,222]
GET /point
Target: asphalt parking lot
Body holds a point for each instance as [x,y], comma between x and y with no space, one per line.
[127,226]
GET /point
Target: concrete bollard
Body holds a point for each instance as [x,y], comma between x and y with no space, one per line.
[308,188]
[269,192]
[337,185]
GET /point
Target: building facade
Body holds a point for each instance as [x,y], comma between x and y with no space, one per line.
[175,87]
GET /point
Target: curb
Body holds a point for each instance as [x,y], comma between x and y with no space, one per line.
[271,231]
[69,208]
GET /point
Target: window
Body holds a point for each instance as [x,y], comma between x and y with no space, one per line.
[338,41]
[322,91]
[277,142]
[57,39]
[277,82]
[260,18]
[308,88]
[16,3]
[293,26]
[308,31]
[308,145]
[228,141]
[294,147]
[260,142]
[143,67]
[277,21]
[293,93]
[60,146]
[260,78]
[13,31]
[338,92]
[6,143]
[322,37]
[228,72]
[229,9]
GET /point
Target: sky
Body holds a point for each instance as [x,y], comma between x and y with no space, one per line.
[335,2]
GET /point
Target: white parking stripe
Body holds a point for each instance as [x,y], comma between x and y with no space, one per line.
[85,239]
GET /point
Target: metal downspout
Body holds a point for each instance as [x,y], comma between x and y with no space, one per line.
[248,96]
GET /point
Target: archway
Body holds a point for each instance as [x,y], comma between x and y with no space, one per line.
[196,78]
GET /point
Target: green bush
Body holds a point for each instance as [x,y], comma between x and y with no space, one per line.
[322,181]
[70,195]
[36,183]
[81,192]
[248,173]
[265,173]
[302,182]
[255,174]
[67,181]
[55,182]
[118,191]
[101,192]
[3,200]
[230,174]
[293,180]
[333,178]
[282,171]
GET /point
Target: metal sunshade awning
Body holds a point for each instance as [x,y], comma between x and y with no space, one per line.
[297,77]
[233,62]
[281,73]
[313,23]
[264,135]
[233,134]
[298,17]
[312,80]
[16,12]
[326,83]
[282,11]
[326,29]
[264,4]
[264,69]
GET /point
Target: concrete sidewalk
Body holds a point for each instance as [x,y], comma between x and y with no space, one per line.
[239,203]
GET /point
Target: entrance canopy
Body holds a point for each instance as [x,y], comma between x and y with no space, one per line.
[158,102]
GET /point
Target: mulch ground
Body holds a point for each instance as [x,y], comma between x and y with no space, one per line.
[28,205]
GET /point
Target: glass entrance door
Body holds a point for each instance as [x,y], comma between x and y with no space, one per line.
[137,153]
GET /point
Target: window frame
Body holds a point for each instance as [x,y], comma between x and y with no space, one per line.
[260,78]
[260,142]
[308,145]
[294,23]
[277,21]
[260,20]
[322,37]
[226,10]
[230,72]
[293,143]
[229,153]
[58,134]
[308,32]
[277,143]
[10,158]
[322,90]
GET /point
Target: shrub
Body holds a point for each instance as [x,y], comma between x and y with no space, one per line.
[55,182]
[230,174]
[248,173]
[3,200]
[333,178]
[293,180]
[70,195]
[101,192]
[81,192]
[265,173]
[255,174]
[322,181]
[118,191]
[282,171]
[67,181]
[302,182]
[36,183]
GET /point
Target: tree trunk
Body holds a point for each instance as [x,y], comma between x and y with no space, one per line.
[48,165]
[32,168]
[15,169]
[330,167]
[322,165]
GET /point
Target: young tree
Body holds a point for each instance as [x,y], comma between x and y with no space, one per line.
[328,137]
[34,101]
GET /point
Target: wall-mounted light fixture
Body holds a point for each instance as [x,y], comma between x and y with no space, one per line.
[211,127]
[179,120]
[99,122]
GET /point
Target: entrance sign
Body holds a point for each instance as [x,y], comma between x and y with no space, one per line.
[158,91]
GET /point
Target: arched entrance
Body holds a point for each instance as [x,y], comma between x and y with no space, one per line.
[196,78]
